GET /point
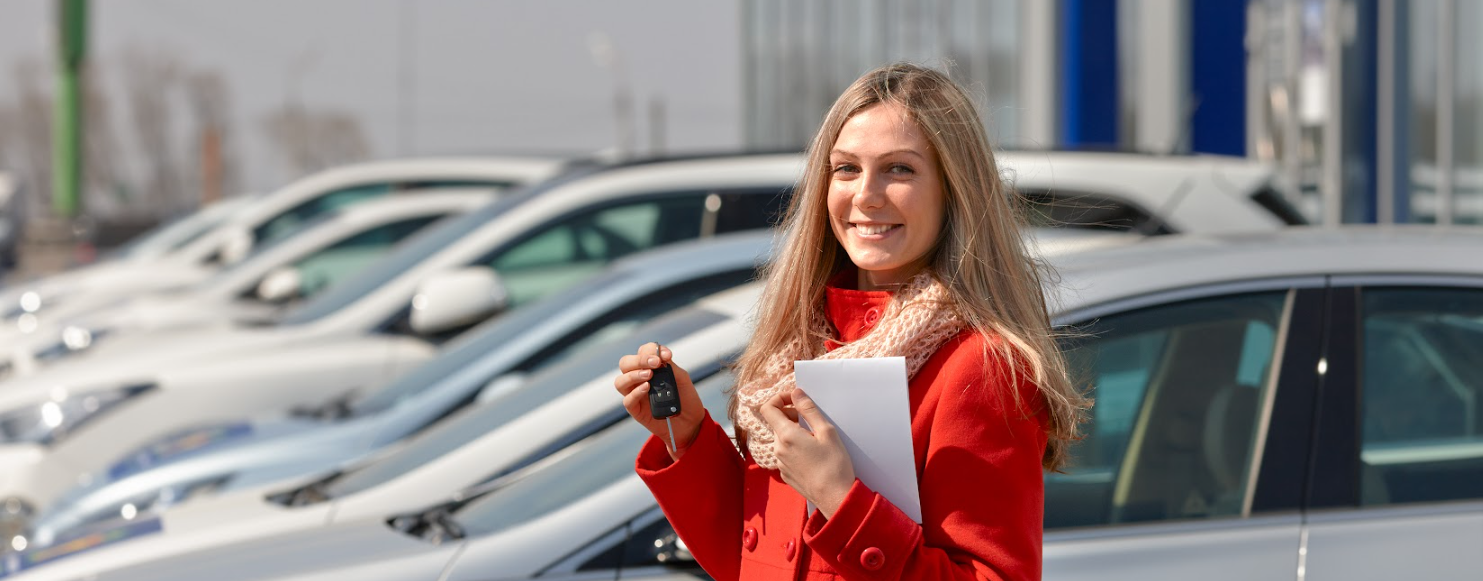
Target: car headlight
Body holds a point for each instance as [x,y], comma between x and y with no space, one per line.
[49,530]
[51,421]
[74,340]
[29,302]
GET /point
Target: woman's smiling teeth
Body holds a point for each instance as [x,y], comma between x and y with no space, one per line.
[874,229]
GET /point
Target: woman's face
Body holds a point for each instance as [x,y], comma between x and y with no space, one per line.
[885,195]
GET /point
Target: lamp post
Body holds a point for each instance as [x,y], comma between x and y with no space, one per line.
[606,56]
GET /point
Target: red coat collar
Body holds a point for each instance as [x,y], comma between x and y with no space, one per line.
[853,313]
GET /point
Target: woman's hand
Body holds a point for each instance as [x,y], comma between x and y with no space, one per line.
[633,384]
[816,463]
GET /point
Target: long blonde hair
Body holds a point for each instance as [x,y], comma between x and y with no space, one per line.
[994,283]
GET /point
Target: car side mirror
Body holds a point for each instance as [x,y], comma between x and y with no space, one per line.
[500,386]
[281,285]
[236,244]
[453,299]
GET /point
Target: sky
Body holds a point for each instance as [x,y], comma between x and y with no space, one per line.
[429,77]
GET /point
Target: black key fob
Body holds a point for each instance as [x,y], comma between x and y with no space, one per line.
[664,393]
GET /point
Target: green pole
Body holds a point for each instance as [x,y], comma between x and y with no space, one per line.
[67,119]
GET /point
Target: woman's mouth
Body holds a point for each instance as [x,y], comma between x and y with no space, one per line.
[874,229]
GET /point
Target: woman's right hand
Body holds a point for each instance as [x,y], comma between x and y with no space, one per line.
[633,384]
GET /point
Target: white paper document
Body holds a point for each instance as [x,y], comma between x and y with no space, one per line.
[867,400]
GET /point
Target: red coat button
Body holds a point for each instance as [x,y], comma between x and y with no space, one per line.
[872,316]
[791,550]
[749,538]
[872,559]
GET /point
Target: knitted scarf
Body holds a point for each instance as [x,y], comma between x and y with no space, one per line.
[919,319]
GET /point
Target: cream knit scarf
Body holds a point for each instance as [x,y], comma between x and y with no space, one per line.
[919,319]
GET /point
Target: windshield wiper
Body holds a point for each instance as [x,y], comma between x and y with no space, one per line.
[435,525]
[311,493]
[337,408]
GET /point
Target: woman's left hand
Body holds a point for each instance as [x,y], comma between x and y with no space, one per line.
[816,463]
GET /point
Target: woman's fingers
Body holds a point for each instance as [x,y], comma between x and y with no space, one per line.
[627,381]
[779,414]
[804,407]
[637,399]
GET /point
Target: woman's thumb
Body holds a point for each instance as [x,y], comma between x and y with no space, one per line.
[808,410]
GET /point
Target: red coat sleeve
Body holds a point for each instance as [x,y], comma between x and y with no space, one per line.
[701,489]
[980,478]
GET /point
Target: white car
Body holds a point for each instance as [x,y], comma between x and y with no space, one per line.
[480,445]
[1263,402]
[340,244]
[488,361]
[64,425]
[1200,194]
[260,220]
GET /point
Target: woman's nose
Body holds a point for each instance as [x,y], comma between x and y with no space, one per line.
[870,191]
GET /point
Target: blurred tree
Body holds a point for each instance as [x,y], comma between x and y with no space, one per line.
[150,77]
[313,139]
[210,105]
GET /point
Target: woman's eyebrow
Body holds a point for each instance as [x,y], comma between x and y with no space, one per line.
[911,152]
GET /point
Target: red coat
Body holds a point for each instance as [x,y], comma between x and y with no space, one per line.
[978,470]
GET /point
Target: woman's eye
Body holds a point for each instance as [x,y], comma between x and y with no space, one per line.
[900,168]
[844,168]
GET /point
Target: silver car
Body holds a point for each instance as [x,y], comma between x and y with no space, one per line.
[489,361]
[1301,405]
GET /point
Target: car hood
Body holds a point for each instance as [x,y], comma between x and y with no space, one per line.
[162,312]
[114,277]
[279,555]
[140,358]
[205,440]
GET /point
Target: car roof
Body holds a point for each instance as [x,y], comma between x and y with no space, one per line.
[1117,271]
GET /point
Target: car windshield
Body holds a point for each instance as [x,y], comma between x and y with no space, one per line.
[254,256]
[591,465]
[409,255]
[182,230]
[540,389]
[479,343]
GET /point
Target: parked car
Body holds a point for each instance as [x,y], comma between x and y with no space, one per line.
[262,220]
[474,447]
[487,362]
[365,331]
[1304,398]
[1148,194]
[341,243]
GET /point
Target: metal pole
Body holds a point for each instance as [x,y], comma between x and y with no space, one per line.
[1292,123]
[1385,134]
[1333,120]
[1446,107]
[67,119]
[1037,75]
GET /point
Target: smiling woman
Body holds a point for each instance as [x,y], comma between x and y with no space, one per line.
[901,242]
[885,195]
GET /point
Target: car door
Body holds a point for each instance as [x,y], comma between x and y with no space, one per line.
[646,548]
[1398,482]
[1192,461]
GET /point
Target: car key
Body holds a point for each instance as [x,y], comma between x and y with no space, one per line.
[664,399]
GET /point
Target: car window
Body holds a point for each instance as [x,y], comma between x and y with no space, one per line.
[1177,390]
[296,217]
[407,256]
[1422,395]
[575,248]
[342,259]
[751,209]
